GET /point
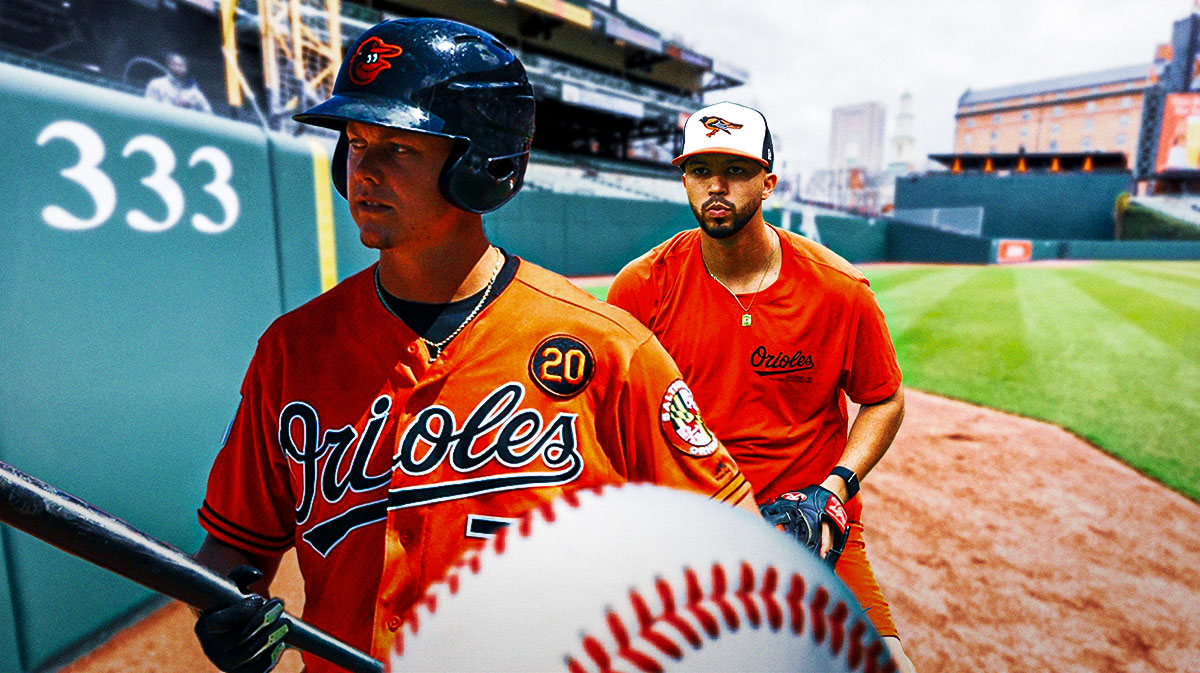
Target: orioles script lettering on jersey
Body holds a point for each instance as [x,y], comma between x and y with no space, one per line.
[432,439]
[766,364]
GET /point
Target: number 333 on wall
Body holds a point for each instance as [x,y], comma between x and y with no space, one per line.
[87,174]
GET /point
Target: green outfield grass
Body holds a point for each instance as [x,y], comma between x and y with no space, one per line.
[1108,350]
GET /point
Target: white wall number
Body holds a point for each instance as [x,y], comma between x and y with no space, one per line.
[160,182]
[87,174]
[219,188]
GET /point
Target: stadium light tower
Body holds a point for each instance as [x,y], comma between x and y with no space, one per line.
[301,52]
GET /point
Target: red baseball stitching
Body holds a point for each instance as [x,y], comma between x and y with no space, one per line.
[669,632]
[643,646]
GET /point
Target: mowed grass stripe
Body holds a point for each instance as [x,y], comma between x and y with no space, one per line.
[1183,271]
[974,333]
[1167,320]
[1174,287]
[904,304]
[598,291]
[887,278]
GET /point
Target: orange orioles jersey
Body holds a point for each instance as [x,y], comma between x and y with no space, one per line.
[381,468]
[774,391]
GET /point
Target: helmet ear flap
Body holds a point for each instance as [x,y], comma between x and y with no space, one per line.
[337,165]
[477,183]
[469,179]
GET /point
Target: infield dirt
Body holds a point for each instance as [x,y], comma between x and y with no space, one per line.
[1002,544]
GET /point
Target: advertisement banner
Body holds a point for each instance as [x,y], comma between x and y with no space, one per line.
[1013,250]
[1179,142]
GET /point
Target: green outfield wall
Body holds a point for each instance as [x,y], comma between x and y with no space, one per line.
[583,237]
[1038,205]
[1165,250]
[912,243]
[1038,250]
[860,240]
[857,239]
[589,236]
[10,653]
[141,265]
[318,240]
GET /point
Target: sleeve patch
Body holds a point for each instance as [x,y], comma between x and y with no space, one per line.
[562,366]
[681,422]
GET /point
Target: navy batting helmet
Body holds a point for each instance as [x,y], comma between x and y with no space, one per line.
[446,79]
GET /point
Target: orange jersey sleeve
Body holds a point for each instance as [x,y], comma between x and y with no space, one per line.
[660,435]
[871,371]
[248,466]
[631,290]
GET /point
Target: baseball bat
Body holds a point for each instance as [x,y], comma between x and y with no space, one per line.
[74,526]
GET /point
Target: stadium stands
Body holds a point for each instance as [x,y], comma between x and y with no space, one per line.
[593,176]
[569,180]
[544,68]
[1180,207]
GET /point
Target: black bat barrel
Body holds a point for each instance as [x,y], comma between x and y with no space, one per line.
[62,520]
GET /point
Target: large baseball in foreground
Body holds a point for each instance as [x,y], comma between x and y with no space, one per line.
[639,578]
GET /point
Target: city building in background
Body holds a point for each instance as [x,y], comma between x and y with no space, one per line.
[903,141]
[856,137]
[1148,112]
[1089,112]
[856,155]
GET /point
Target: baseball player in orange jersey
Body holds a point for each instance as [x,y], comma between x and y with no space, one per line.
[772,331]
[403,416]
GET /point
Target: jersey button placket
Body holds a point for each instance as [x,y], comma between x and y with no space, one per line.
[413,363]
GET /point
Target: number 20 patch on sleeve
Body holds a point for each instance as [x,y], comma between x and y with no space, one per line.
[562,365]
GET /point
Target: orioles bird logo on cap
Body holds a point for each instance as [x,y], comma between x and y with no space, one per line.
[371,59]
[714,124]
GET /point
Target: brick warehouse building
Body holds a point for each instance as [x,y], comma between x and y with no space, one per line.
[1090,112]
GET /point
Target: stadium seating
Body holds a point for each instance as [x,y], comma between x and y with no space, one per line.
[1186,208]
[595,177]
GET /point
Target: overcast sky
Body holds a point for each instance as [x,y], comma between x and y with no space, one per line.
[806,57]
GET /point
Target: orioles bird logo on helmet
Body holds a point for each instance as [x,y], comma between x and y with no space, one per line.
[371,59]
[714,124]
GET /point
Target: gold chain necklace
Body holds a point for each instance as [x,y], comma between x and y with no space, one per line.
[746,319]
[435,348]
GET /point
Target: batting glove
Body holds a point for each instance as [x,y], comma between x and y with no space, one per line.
[246,636]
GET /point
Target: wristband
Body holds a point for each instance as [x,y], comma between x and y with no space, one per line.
[850,478]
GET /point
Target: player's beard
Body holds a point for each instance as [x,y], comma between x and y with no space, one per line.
[730,224]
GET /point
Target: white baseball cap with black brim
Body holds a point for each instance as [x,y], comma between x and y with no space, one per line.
[727,128]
